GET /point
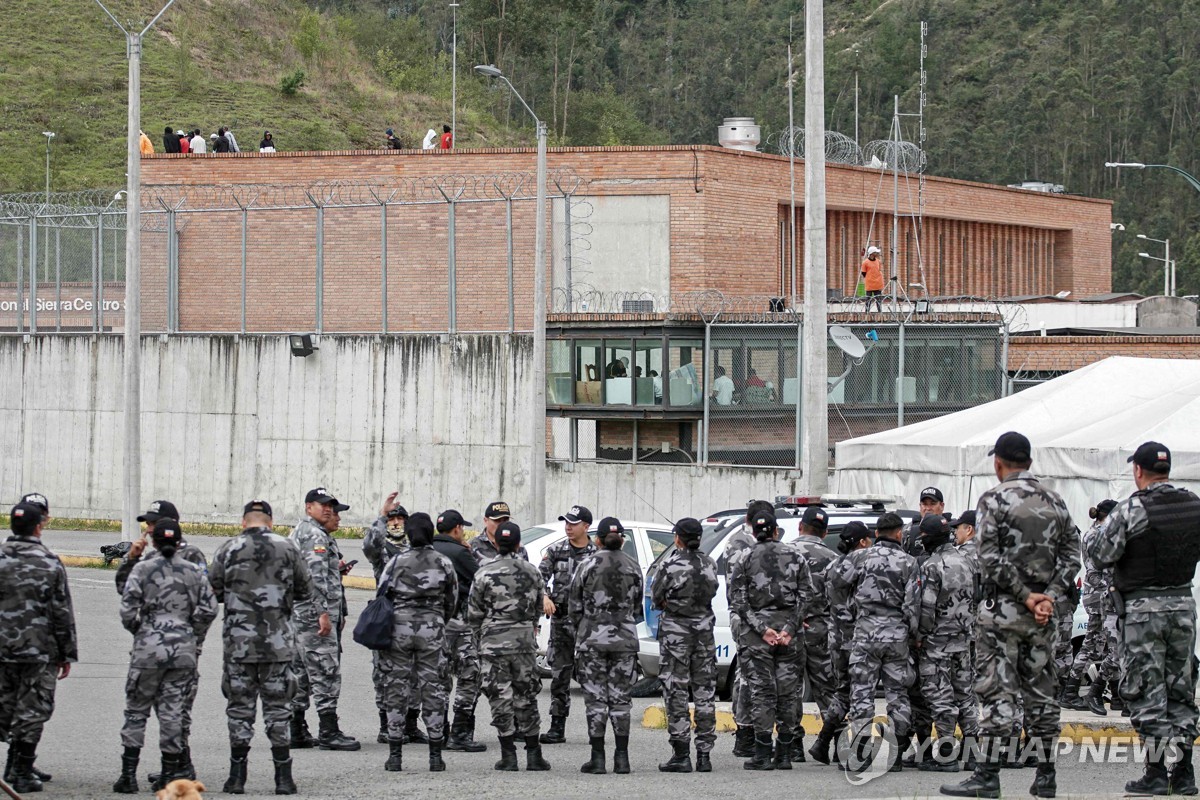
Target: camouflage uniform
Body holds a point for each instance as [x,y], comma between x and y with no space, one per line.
[819,671]
[462,649]
[1158,630]
[841,638]
[739,544]
[1027,543]
[771,587]
[503,609]
[259,576]
[683,589]
[484,551]
[37,633]
[605,607]
[557,568]
[379,550]
[317,661]
[946,628]
[1100,643]
[167,605]
[882,581]
[922,713]
[424,589]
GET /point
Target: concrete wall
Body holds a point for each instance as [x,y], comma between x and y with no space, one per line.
[1166,312]
[618,244]
[228,419]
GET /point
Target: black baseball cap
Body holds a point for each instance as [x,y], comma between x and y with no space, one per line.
[508,533]
[577,514]
[321,495]
[167,528]
[1012,446]
[764,523]
[688,528]
[855,531]
[450,519]
[1153,456]
[755,507]
[932,492]
[419,524]
[497,509]
[815,517]
[889,522]
[609,525]
[966,518]
[24,514]
[160,509]
[259,507]
[398,511]
[1106,507]
[37,499]
[933,524]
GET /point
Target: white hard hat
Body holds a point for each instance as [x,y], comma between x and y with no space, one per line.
[873,250]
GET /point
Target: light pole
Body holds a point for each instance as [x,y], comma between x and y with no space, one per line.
[1168,264]
[453,74]
[49,135]
[537,466]
[1187,176]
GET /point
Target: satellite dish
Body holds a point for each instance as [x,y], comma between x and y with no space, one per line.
[846,341]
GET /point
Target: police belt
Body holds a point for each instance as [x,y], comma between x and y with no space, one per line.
[1178,591]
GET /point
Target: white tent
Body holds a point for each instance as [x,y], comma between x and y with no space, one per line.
[1082,427]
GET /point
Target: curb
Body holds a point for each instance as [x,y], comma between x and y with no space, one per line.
[655,717]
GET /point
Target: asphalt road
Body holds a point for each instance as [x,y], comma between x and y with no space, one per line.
[81,746]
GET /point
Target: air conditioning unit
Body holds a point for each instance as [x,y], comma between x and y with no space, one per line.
[637,306]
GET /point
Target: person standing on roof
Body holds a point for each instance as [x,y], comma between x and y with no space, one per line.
[872,276]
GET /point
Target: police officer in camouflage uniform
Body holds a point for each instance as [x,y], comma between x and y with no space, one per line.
[946,629]
[259,576]
[318,664]
[1153,545]
[817,665]
[558,566]
[684,587]
[424,590]
[504,606]
[883,582]
[37,640]
[605,607]
[484,547]
[739,543]
[167,605]
[1028,557]
[855,536]
[932,504]
[462,653]
[771,591]
[1100,642]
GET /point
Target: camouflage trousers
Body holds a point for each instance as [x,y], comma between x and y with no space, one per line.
[462,663]
[1017,680]
[948,684]
[414,673]
[689,662]
[511,684]
[164,690]
[318,667]
[607,680]
[773,676]
[1158,638]
[1063,651]
[26,700]
[1100,645]
[819,672]
[560,654]
[839,701]
[244,684]
[379,683]
[742,715]
[922,714]
[870,664]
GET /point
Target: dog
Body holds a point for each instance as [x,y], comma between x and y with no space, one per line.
[181,789]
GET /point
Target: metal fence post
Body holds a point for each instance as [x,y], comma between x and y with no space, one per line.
[512,319]
[20,280]
[799,394]
[33,276]
[100,273]
[320,269]
[900,379]
[245,233]
[704,388]
[383,263]
[452,288]
[58,278]
[1005,383]
[96,276]
[567,240]
[172,275]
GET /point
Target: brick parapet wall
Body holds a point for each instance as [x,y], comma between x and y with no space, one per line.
[1066,353]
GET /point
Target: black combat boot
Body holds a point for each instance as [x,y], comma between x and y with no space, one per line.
[820,749]
[1069,696]
[743,742]
[301,737]
[798,747]
[44,777]
[1095,699]
[621,756]
[23,779]
[238,757]
[783,752]
[382,738]
[984,781]
[703,761]
[858,754]
[922,752]
[1155,779]
[436,764]
[533,756]
[330,736]
[680,760]
[186,768]
[282,757]
[462,734]
[1117,703]
[1182,778]
[508,755]
[127,783]
[943,759]
[172,769]
[557,734]
[413,734]
[395,761]
[595,765]
[761,761]
[1044,782]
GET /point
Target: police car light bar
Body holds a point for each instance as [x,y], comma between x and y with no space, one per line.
[837,500]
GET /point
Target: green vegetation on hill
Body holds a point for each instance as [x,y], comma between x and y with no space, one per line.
[1018,89]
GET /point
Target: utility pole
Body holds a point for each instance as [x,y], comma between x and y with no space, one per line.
[454,74]
[49,135]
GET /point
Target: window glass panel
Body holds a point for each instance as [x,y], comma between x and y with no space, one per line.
[560,384]
[685,372]
[588,368]
[618,372]
[659,542]
[647,372]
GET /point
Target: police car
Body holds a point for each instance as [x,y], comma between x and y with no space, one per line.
[719,527]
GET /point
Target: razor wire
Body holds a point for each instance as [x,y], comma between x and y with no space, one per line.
[839,148]
[892,154]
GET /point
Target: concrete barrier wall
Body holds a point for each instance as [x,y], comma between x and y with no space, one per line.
[227,419]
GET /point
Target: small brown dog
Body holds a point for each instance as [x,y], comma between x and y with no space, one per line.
[181,789]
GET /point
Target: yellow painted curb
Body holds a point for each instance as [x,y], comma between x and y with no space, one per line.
[355,582]
[90,562]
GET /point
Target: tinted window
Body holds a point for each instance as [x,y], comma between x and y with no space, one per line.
[531,535]
[659,542]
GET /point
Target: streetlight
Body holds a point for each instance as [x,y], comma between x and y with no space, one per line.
[49,135]
[537,467]
[1168,264]
[1138,165]
[454,74]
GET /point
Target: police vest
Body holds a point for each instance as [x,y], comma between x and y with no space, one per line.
[1166,554]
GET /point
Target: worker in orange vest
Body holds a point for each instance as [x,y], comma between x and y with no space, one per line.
[872,275]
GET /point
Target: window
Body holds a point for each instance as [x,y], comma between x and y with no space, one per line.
[647,372]
[659,542]
[685,372]
[560,385]
[588,370]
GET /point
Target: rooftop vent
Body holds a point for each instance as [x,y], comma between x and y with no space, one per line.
[739,133]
